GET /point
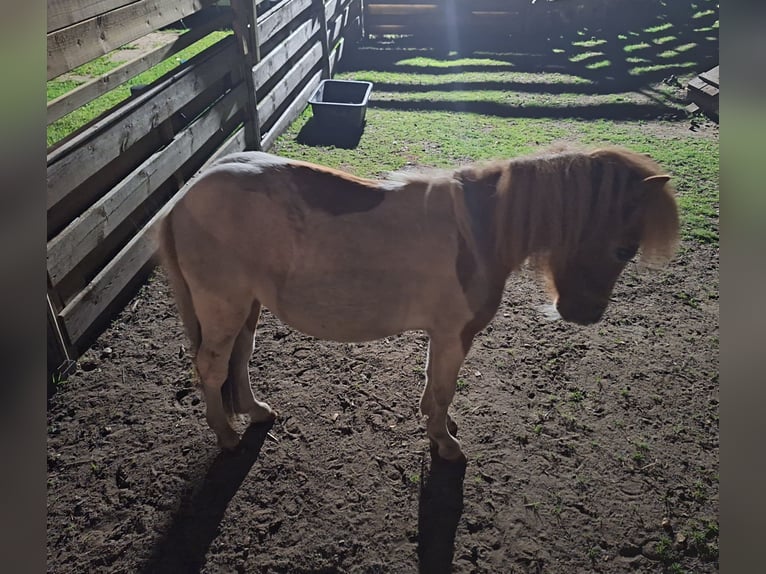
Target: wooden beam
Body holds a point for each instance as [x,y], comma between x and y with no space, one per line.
[274,20]
[86,308]
[81,42]
[248,50]
[318,10]
[89,91]
[293,111]
[63,13]
[83,235]
[72,164]
[277,96]
[276,59]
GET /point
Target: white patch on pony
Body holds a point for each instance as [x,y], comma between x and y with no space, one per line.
[550,312]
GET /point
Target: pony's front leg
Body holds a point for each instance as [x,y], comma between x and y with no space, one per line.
[445,356]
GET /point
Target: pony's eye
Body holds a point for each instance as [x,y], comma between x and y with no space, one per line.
[625,254]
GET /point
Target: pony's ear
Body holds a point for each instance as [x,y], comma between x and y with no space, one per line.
[655,182]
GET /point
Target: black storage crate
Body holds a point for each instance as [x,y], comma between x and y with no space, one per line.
[341,103]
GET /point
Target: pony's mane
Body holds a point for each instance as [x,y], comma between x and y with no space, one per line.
[551,200]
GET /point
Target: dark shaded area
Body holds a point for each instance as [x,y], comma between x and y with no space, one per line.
[440,509]
[342,136]
[609,51]
[195,524]
[626,111]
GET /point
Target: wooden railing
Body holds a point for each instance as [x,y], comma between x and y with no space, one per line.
[112,180]
[489,21]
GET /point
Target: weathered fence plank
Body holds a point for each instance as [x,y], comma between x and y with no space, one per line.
[292,112]
[275,20]
[276,97]
[246,30]
[267,68]
[81,42]
[105,140]
[62,13]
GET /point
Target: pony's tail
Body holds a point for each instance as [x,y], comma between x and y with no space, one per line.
[169,260]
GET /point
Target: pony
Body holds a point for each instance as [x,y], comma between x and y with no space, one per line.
[351,259]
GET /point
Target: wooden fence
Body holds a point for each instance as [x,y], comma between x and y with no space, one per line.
[440,22]
[112,180]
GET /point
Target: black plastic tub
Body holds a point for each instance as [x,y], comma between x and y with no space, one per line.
[341,103]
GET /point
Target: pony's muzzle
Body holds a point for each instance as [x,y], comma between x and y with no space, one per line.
[579,312]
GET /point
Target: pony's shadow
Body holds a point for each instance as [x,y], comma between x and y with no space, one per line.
[441,506]
[195,524]
[314,133]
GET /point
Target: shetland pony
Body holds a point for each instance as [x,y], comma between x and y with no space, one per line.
[344,258]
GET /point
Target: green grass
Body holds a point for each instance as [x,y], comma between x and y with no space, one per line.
[664,40]
[598,65]
[585,56]
[81,116]
[449,63]
[589,43]
[95,68]
[638,46]
[659,28]
[642,70]
[57,88]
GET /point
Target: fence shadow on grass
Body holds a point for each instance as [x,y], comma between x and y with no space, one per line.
[623,111]
[609,57]
[195,524]
[440,509]
[314,134]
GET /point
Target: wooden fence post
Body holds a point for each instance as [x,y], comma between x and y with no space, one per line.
[59,362]
[245,25]
[320,12]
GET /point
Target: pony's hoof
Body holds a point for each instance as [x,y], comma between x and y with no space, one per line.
[263,415]
[452,453]
[229,443]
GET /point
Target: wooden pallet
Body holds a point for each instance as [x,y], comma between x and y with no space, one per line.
[702,92]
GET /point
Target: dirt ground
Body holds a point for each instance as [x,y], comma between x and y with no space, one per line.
[590,449]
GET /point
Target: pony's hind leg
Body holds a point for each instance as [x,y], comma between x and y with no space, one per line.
[243,400]
[220,325]
[445,356]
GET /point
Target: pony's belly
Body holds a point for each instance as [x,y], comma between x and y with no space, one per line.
[349,311]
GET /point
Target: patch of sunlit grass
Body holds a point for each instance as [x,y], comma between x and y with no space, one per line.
[702,14]
[425,62]
[589,43]
[660,28]
[636,47]
[664,40]
[685,47]
[585,56]
[639,70]
[598,65]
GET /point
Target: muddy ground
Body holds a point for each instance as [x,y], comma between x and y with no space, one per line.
[590,449]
